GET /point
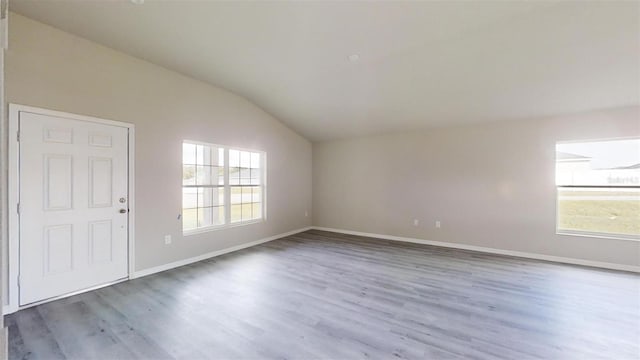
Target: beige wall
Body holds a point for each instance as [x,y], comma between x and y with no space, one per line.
[52,69]
[490,185]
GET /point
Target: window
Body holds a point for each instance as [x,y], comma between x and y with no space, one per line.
[598,185]
[220,186]
[244,180]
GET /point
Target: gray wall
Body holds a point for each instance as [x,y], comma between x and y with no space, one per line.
[52,69]
[490,185]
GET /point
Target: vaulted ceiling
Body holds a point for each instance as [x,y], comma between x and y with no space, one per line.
[421,64]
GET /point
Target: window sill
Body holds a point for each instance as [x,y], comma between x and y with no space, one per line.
[242,223]
[207,229]
[598,235]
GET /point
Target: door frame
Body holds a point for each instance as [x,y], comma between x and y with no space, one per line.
[12,250]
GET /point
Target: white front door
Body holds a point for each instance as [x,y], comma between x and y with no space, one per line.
[73,205]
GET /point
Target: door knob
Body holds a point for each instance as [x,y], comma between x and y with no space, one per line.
[123,211]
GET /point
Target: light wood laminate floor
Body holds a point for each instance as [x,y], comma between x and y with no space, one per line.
[321,295]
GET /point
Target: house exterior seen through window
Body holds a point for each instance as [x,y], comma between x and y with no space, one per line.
[221,186]
[598,185]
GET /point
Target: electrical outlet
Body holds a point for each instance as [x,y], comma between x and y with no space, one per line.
[167,239]
[438,224]
[416,222]
[306,214]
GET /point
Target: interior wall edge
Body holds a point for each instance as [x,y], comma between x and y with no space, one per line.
[462,246]
[176,264]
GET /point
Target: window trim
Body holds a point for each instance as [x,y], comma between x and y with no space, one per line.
[591,234]
[227,190]
[611,236]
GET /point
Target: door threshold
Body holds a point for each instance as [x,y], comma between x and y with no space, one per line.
[47,300]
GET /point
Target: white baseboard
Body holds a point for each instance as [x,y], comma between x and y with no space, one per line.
[559,259]
[8,309]
[194,259]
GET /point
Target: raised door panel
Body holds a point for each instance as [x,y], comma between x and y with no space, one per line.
[100,242]
[100,182]
[58,182]
[100,140]
[58,135]
[58,249]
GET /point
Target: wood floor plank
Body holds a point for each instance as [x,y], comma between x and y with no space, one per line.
[322,295]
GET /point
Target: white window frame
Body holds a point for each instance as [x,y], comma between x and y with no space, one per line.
[227,190]
[593,234]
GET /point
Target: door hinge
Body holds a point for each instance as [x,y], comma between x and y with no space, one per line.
[18,136]
[18,280]
[18,208]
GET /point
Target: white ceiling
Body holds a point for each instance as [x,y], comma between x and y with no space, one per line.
[422,64]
